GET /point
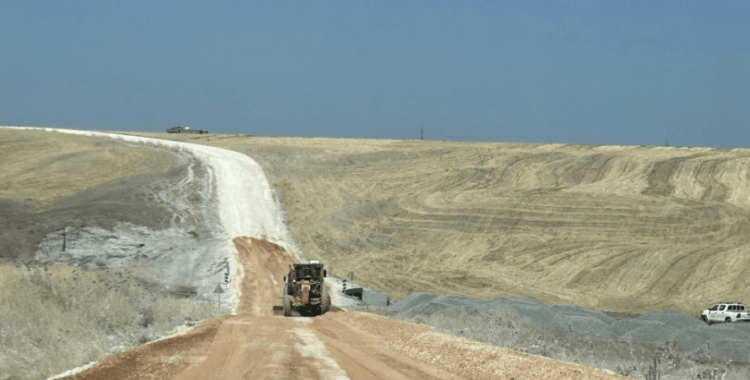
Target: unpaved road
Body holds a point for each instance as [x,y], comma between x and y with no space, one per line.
[256,344]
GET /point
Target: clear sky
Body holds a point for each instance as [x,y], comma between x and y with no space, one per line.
[585,72]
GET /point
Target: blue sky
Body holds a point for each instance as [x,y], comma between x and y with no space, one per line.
[583,72]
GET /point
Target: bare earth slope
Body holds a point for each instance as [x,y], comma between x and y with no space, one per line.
[614,228]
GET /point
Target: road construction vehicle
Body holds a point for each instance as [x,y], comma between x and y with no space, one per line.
[305,289]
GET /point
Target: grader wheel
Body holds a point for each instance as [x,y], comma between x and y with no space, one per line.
[286,303]
[325,302]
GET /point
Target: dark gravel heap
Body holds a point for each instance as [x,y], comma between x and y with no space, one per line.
[692,336]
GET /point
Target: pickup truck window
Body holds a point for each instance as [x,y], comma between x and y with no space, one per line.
[732,308]
[721,308]
[742,308]
[714,307]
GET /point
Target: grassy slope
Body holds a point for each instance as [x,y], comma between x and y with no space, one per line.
[629,229]
[55,318]
[43,166]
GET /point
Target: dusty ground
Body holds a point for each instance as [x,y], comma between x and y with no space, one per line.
[255,344]
[615,228]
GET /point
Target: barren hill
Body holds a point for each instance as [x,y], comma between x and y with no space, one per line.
[614,228]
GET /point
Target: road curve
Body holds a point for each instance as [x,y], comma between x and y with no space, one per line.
[256,344]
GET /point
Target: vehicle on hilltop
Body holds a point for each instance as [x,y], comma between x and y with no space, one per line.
[726,312]
[305,289]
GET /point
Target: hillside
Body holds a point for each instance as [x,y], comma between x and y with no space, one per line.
[625,229]
[615,228]
[104,245]
[50,181]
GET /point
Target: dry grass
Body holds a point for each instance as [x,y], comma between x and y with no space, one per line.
[615,228]
[61,317]
[43,166]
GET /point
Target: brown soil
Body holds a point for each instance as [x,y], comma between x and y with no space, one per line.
[157,360]
[256,344]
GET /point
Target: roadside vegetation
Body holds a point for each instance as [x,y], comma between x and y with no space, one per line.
[61,317]
[634,360]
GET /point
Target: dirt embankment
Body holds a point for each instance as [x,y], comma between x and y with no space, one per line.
[259,345]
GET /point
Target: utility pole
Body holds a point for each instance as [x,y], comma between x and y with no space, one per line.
[421,134]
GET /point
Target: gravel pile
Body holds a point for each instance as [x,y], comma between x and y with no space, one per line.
[729,341]
[412,300]
[726,341]
[620,329]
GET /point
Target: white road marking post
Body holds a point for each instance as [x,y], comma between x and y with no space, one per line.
[219,290]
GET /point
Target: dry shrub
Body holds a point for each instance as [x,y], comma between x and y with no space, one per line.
[59,318]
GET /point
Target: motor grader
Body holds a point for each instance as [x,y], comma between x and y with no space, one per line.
[305,289]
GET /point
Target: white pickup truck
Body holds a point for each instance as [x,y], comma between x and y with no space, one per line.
[726,312]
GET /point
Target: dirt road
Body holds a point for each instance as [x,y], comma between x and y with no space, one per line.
[256,344]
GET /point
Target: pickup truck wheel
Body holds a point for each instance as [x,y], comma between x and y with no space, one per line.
[703,317]
[728,320]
